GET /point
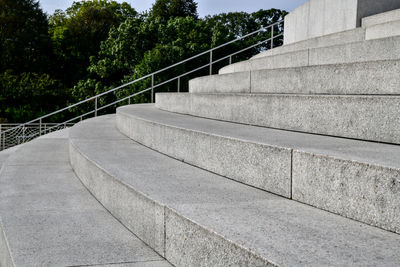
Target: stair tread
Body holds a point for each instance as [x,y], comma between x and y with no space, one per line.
[363,78]
[369,152]
[281,231]
[381,18]
[49,218]
[360,51]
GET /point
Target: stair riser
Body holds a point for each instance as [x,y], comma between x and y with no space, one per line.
[359,117]
[357,190]
[373,50]
[139,214]
[381,18]
[381,77]
[186,243]
[383,30]
[258,165]
[367,193]
[238,82]
[356,35]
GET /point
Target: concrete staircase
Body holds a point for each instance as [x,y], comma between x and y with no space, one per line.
[291,159]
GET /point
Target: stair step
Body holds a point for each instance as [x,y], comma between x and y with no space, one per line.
[373,118]
[48,218]
[290,164]
[376,77]
[197,218]
[381,18]
[383,30]
[372,50]
[351,36]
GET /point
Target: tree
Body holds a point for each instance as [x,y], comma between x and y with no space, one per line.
[78,32]
[143,45]
[167,9]
[26,96]
[24,41]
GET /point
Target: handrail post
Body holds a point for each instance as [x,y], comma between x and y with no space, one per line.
[3,140]
[95,107]
[272,36]
[230,60]
[152,88]
[40,127]
[129,101]
[211,61]
[179,84]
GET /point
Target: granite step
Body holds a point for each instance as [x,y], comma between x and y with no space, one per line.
[350,36]
[364,51]
[383,30]
[48,218]
[381,18]
[197,218]
[366,78]
[289,164]
[363,117]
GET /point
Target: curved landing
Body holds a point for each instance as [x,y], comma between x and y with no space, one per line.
[48,218]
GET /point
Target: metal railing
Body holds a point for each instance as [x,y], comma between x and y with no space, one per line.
[17,135]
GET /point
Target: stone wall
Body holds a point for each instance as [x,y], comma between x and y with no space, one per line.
[322,17]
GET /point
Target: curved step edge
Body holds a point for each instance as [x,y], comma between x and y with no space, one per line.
[292,165]
[159,226]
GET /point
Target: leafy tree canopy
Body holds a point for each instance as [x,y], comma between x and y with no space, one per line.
[24,39]
[78,32]
[167,9]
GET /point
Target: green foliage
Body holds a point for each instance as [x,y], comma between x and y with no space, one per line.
[78,32]
[167,9]
[29,95]
[96,45]
[24,39]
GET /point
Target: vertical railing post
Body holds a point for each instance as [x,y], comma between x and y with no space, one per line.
[230,60]
[3,140]
[23,134]
[129,101]
[95,107]
[179,84]
[211,61]
[81,118]
[40,127]
[152,88]
[272,36]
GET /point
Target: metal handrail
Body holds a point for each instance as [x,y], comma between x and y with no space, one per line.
[152,76]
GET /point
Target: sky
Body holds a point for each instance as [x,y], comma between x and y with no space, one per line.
[205,7]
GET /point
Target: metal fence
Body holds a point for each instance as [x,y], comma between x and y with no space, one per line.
[25,132]
[21,133]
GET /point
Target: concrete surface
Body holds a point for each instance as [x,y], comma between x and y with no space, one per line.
[264,158]
[384,30]
[263,166]
[49,218]
[212,221]
[373,118]
[372,50]
[368,78]
[350,36]
[321,17]
[381,18]
[238,82]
